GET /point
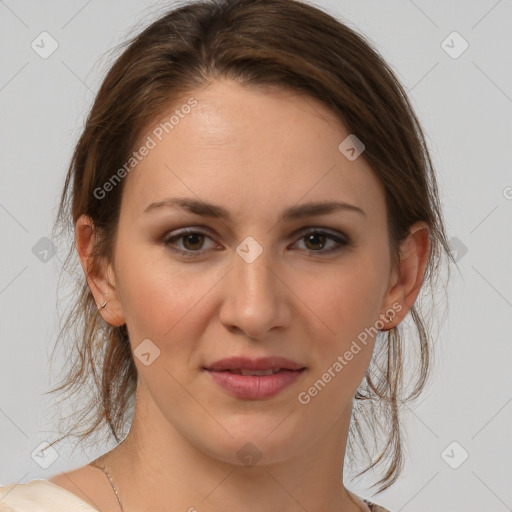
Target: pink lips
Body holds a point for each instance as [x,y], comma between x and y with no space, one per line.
[227,374]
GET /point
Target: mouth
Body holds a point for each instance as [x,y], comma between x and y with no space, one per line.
[255,379]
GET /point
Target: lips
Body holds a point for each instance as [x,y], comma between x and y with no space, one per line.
[255,379]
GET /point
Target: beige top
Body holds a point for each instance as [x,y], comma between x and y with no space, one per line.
[40,496]
[43,496]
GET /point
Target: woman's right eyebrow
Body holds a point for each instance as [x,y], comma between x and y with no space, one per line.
[206,209]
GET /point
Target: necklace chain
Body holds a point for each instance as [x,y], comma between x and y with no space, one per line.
[95,464]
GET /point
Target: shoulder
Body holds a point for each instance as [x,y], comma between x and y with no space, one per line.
[40,496]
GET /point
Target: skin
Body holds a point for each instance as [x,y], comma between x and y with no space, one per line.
[255,152]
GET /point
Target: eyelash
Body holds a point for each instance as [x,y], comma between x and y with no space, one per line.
[342,242]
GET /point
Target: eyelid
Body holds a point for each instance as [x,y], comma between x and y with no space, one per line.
[321,230]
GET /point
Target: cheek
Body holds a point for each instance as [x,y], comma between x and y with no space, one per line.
[346,309]
[158,299]
[173,305]
[347,301]
[164,307]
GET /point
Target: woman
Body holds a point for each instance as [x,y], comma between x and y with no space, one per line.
[255,213]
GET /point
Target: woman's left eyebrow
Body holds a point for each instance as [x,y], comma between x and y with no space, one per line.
[206,209]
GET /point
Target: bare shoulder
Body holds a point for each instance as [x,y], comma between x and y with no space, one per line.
[90,485]
[75,479]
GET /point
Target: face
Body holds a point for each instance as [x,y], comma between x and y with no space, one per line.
[272,278]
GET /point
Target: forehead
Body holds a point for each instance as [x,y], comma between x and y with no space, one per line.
[248,147]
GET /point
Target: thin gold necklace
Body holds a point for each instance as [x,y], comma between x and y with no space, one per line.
[95,464]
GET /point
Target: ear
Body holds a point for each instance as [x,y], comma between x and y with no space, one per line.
[99,274]
[407,280]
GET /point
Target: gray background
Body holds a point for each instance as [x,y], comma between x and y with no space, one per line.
[465,105]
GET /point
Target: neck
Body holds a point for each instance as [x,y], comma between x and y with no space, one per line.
[180,474]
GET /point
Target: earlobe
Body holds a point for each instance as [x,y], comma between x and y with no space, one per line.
[414,255]
[99,273]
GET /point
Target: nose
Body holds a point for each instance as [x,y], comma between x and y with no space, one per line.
[256,298]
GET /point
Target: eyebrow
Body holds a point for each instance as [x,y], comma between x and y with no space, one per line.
[215,211]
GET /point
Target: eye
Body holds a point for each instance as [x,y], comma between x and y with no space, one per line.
[316,237]
[192,241]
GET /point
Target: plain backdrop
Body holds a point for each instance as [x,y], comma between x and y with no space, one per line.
[458,435]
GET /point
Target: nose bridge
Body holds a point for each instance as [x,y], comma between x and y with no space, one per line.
[253,272]
[256,301]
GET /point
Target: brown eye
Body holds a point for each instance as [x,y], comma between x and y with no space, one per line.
[193,241]
[315,241]
[189,243]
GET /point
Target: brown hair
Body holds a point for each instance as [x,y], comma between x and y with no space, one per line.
[280,43]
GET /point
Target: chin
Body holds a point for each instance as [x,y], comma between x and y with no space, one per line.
[253,443]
